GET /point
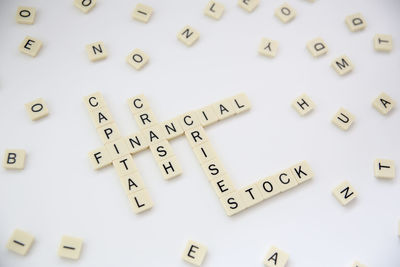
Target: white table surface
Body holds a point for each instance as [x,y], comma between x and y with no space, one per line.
[58,192]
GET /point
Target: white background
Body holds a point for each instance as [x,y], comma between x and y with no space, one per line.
[58,192]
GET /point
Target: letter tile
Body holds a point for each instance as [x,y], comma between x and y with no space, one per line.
[196,136]
[132,182]
[222,185]
[268,47]
[136,142]
[99,158]
[286,180]
[194,253]
[302,172]
[142,13]
[344,193]
[25,15]
[214,10]
[248,5]
[207,115]
[85,5]
[356,22]
[343,119]
[20,242]
[14,159]
[161,150]
[124,165]
[251,195]
[303,104]
[383,42]
[204,152]
[276,258]
[100,116]
[172,128]
[213,168]
[188,35]
[70,247]
[140,201]
[233,203]
[117,149]
[224,109]
[342,65]
[317,47]
[285,13]
[96,51]
[384,168]
[170,168]
[30,46]
[241,103]
[137,59]
[384,103]
[269,186]
[108,133]
[37,109]
[94,101]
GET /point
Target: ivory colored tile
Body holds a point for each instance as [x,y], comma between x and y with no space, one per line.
[196,136]
[204,152]
[207,115]
[251,195]
[189,120]
[142,13]
[384,168]
[214,10]
[100,116]
[233,203]
[317,47]
[268,47]
[342,65]
[125,165]
[30,46]
[138,104]
[241,103]
[194,253]
[14,159]
[170,168]
[383,42]
[344,193]
[276,258]
[269,186]
[20,242]
[161,150]
[37,109]
[108,133]
[94,101]
[224,109]
[70,247]
[117,149]
[96,51]
[137,59]
[85,5]
[248,5]
[140,201]
[303,104]
[145,119]
[25,15]
[358,264]
[285,13]
[153,134]
[172,128]
[286,180]
[188,35]
[136,142]
[302,172]
[222,185]
[132,182]
[384,103]
[356,22]
[213,168]
[99,158]
[343,119]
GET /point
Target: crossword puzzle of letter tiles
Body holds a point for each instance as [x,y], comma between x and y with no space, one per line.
[154,135]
